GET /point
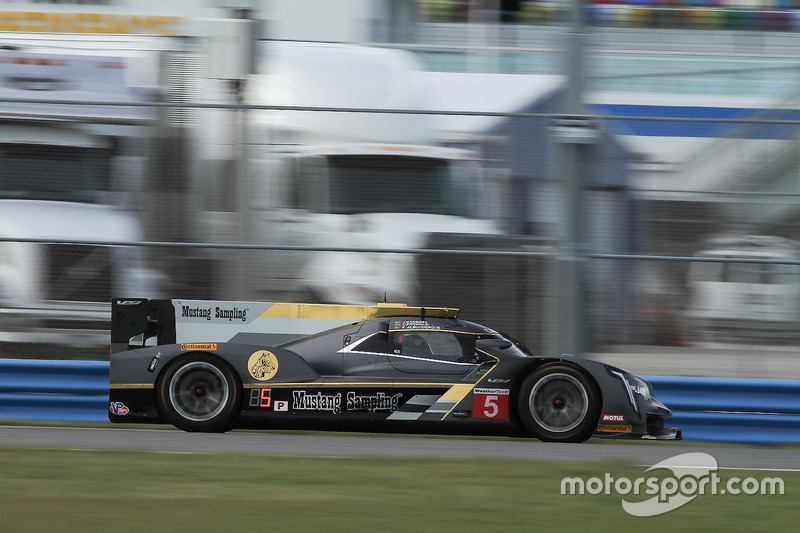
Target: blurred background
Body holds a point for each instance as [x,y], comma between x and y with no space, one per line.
[618,180]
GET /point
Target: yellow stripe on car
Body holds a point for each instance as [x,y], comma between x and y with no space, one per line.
[353,312]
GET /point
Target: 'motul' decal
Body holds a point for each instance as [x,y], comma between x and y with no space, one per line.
[263,365]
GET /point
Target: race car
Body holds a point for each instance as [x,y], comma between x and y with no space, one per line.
[212,366]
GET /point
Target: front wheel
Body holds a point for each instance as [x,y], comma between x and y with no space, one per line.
[559,403]
[199,393]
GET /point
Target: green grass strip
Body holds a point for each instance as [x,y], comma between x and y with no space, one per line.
[71,490]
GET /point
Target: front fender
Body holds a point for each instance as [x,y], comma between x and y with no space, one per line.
[622,414]
[626,414]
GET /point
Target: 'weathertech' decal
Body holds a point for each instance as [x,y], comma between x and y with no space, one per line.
[490,403]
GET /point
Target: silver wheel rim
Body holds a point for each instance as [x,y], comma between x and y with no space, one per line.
[559,402]
[198,391]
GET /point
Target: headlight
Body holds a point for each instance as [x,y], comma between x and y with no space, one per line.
[634,385]
[640,387]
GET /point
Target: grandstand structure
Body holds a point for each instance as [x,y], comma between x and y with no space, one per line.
[660,73]
[759,15]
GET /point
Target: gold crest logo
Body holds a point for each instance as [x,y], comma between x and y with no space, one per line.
[263,365]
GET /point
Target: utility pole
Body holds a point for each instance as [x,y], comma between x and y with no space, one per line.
[231,52]
[574,134]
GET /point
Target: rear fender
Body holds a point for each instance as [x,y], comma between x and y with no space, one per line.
[253,364]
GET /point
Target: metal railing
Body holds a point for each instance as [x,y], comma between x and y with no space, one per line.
[513,289]
[516,287]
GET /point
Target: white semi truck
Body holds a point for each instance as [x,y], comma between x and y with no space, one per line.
[346,179]
[64,170]
[754,293]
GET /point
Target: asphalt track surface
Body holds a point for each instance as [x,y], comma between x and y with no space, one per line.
[336,445]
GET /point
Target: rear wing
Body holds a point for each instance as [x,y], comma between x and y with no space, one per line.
[135,320]
[138,322]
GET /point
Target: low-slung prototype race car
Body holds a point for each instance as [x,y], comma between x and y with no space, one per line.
[212,366]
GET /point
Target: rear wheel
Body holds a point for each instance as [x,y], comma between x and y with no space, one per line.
[199,392]
[559,403]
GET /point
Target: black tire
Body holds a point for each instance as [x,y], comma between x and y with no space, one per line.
[199,392]
[559,403]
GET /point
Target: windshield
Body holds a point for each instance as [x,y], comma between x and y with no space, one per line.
[399,184]
[42,172]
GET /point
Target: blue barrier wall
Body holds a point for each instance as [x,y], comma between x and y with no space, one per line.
[748,411]
[54,390]
[706,409]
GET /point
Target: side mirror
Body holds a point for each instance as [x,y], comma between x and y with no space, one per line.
[489,344]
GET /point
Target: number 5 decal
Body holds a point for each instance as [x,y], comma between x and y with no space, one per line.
[490,403]
[490,408]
